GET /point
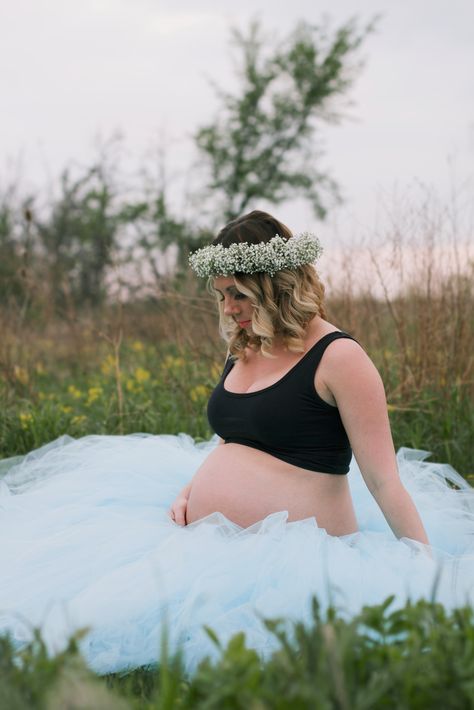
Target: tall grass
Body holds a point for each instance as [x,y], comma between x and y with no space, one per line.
[414,314]
[150,366]
[416,657]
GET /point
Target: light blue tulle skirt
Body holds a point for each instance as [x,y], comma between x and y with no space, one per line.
[86,542]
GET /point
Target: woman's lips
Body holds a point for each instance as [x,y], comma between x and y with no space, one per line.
[244,323]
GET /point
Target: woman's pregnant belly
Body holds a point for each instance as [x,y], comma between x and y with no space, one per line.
[246,485]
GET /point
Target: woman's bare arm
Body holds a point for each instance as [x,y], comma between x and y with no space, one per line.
[358,390]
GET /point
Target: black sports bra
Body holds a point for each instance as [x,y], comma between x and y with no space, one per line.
[288,419]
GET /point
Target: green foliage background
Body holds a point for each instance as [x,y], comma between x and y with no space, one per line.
[416,657]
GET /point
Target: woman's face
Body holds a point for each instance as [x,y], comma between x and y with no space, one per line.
[236,305]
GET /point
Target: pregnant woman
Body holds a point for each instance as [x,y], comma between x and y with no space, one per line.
[300,492]
[296,395]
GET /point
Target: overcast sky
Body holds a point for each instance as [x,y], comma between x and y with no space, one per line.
[72,71]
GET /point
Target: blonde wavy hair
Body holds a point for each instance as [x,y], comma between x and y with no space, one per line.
[283,305]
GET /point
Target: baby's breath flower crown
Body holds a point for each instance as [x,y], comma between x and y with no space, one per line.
[245,258]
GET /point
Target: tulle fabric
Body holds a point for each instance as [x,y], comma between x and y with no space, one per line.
[87,543]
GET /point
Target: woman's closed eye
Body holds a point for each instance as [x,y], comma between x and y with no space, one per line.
[236,296]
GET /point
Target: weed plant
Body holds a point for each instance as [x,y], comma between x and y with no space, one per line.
[419,657]
[151,367]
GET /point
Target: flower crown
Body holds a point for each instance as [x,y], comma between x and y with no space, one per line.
[245,258]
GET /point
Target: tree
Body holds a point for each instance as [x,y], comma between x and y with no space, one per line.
[261,148]
[79,235]
[153,229]
[16,248]
[262,145]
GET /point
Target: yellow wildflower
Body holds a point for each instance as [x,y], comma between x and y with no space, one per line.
[138,346]
[39,368]
[66,409]
[132,386]
[199,392]
[173,363]
[79,419]
[216,370]
[21,374]
[93,394]
[74,392]
[141,375]
[108,365]
[25,418]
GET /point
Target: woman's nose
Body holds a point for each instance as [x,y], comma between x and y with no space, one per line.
[230,307]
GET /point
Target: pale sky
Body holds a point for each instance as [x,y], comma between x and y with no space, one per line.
[73,71]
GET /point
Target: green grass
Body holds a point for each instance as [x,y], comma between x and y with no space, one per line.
[419,656]
[165,389]
[440,421]
[160,392]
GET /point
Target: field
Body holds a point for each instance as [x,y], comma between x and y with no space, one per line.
[149,367]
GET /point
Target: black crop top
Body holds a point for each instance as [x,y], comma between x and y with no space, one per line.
[288,419]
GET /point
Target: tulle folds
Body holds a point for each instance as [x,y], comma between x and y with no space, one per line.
[90,544]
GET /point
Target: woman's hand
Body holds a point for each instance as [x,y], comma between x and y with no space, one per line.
[177,511]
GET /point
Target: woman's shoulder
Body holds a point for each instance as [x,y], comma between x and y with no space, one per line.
[317,330]
[346,363]
[340,350]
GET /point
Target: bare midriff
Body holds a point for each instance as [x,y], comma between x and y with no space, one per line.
[247,484]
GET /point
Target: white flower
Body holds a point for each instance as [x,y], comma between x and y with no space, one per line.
[268,257]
